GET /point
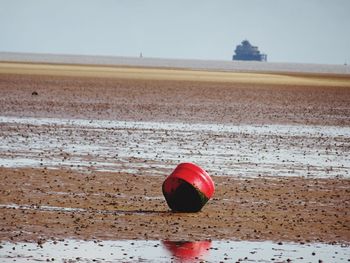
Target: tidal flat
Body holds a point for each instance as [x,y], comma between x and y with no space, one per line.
[84,151]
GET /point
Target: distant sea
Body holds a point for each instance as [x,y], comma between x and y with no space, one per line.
[215,65]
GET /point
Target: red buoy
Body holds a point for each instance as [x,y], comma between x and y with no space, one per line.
[188,188]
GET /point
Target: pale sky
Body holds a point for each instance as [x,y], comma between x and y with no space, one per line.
[305,31]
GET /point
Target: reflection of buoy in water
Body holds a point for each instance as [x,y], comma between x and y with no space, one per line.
[188,188]
[187,250]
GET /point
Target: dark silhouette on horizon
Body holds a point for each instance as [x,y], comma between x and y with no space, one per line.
[248,52]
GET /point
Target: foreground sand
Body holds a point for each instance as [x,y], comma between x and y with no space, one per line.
[49,204]
[43,204]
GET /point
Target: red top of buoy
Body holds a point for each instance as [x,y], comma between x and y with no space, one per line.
[196,176]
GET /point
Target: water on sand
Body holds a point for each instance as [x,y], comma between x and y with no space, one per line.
[166,251]
[154,148]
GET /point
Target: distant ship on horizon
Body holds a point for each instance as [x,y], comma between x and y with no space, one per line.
[248,52]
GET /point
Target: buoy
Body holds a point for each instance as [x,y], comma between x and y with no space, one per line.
[188,188]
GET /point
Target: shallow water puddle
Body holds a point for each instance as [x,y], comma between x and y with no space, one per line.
[236,150]
[168,251]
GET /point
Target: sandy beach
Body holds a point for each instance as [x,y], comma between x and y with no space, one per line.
[52,201]
[56,204]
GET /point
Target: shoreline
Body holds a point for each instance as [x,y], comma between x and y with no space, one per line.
[173,63]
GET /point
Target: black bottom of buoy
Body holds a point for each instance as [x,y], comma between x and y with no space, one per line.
[185,198]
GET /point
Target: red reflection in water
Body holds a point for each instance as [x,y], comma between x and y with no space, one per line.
[185,250]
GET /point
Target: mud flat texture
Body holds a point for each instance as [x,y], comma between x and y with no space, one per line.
[44,204]
[45,199]
[96,92]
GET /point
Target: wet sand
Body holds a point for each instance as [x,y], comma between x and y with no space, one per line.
[53,204]
[245,98]
[41,203]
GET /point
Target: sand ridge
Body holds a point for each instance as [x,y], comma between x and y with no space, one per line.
[171,74]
